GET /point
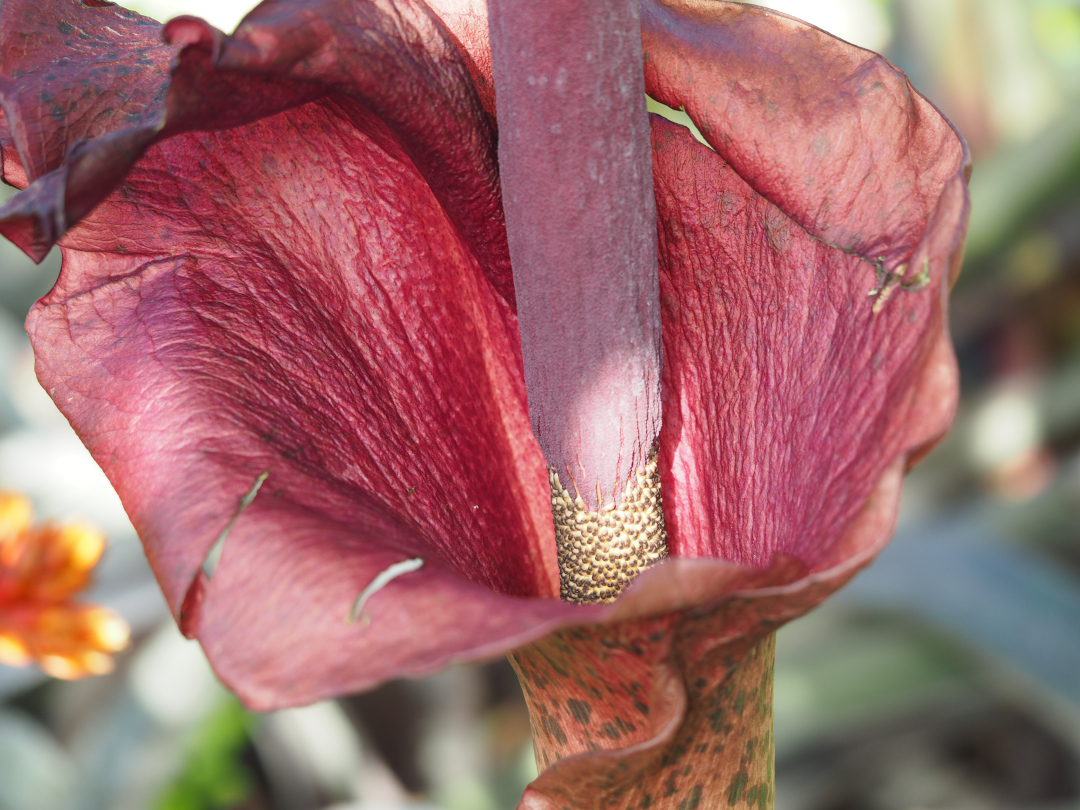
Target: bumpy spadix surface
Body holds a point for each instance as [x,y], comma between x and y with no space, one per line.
[601,551]
[285,261]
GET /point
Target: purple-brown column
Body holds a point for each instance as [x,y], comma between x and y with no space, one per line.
[576,171]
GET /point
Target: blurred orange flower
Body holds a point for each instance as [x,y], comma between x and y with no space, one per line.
[41,570]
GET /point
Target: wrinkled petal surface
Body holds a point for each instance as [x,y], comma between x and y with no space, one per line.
[801,356]
[254,300]
[781,377]
[833,135]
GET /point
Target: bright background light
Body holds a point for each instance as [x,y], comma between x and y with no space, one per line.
[1005,428]
[223,14]
[860,22]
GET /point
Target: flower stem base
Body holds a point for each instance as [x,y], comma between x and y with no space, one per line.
[657,714]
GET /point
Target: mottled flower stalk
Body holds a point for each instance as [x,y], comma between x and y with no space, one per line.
[576,174]
[586,688]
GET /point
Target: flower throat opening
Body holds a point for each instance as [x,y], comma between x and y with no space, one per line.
[601,552]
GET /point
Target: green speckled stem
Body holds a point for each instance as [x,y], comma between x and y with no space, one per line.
[650,714]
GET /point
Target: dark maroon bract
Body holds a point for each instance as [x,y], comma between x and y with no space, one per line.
[285,265]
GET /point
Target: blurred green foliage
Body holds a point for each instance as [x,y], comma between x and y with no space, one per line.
[215,775]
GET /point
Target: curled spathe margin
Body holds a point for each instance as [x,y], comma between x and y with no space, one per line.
[218,81]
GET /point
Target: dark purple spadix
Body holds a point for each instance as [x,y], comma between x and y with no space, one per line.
[575,164]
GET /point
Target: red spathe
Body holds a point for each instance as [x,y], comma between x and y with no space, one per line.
[277,262]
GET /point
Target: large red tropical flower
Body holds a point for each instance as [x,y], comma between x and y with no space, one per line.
[285,325]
